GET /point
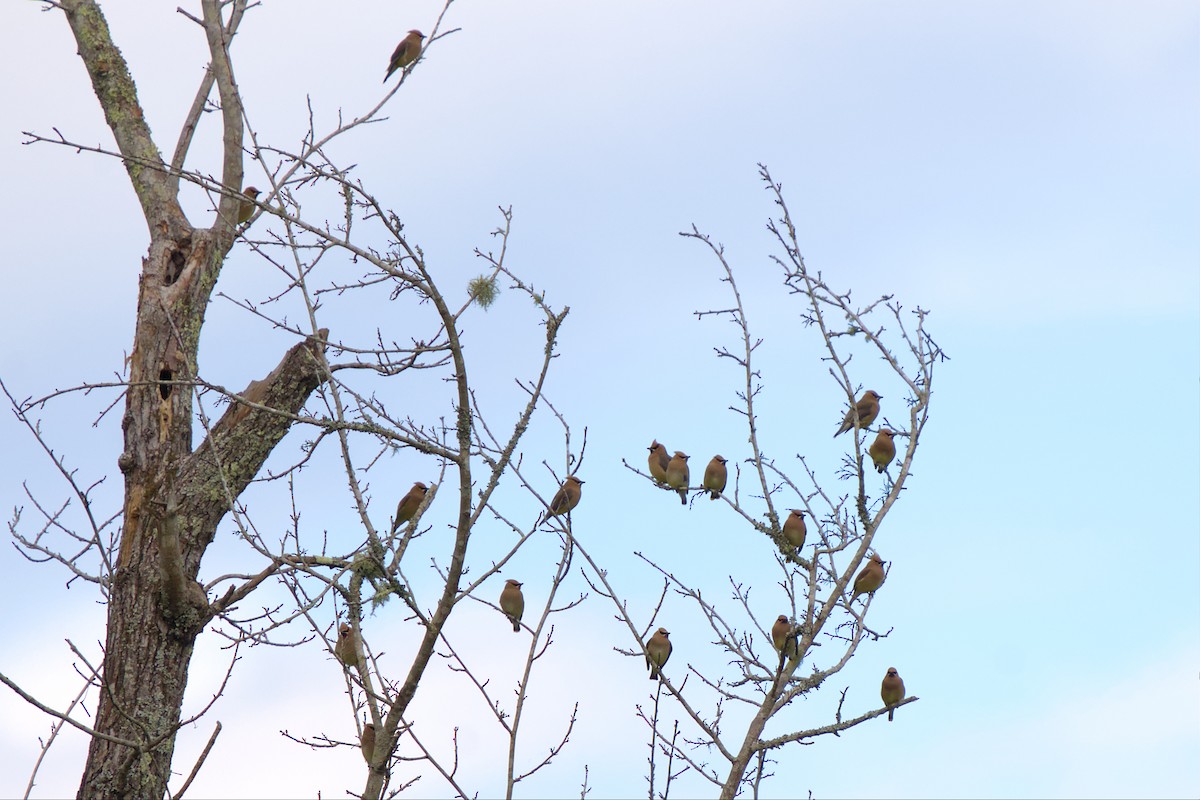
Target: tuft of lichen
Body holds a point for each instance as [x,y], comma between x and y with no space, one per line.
[483,290]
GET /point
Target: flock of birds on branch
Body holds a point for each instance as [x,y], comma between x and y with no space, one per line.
[670,472]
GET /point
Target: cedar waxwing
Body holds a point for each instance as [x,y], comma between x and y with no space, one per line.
[784,635]
[406,509]
[566,498]
[367,742]
[892,690]
[883,449]
[658,461]
[794,528]
[246,207]
[715,477]
[677,475]
[347,647]
[658,650]
[405,53]
[869,578]
[512,603]
[867,408]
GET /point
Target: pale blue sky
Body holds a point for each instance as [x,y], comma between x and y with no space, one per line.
[1026,170]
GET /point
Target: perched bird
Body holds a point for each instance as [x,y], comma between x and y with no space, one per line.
[405,53]
[869,578]
[658,461]
[658,650]
[406,509]
[883,449]
[246,207]
[794,528]
[367,742]
[715,477]
[347,647]
[867,409]
[566,498]
[512,603]
[677,475]
[892,690]
[783,635]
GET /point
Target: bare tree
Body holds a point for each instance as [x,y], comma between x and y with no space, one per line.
[339,393]
[352,396]
[842,531]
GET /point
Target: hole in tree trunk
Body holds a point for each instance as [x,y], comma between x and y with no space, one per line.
[164,388]
[176,266]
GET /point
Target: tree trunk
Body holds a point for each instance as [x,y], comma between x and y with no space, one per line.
[174,500]
[175,496]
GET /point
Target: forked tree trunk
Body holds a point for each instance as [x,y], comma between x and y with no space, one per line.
[175,496]
[174,499]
